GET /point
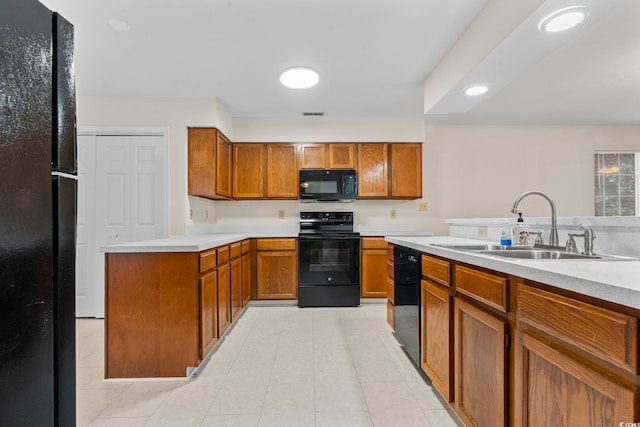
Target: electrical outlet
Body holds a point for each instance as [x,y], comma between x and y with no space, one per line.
[392,213]
[281,214]
[422,206]
[206,214]
[482,231]
[190,213]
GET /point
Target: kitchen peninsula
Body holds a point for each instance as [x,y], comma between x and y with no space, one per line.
[515,342]
[184,292]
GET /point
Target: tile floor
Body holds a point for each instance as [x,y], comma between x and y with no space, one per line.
[279,366]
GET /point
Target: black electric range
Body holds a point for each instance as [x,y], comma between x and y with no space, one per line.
[328,260]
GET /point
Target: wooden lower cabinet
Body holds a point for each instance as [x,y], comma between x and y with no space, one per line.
[236,287]
[246,272]
[552,389]
[390,287]
[208,312]
[436,351]
[480,366]
[373,267]
[224,297]
[277,268]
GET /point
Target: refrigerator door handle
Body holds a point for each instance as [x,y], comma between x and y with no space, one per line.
[64,175]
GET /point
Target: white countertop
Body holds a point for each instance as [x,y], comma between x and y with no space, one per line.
[190,243]
[202,242]
[614,281]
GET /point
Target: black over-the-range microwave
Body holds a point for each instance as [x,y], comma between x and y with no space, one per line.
[328,185]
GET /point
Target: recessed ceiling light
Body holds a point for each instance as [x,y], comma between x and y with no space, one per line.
[475,90]
[119,25]
[563,19]
[299,77]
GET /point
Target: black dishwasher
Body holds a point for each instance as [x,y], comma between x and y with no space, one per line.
[406,272]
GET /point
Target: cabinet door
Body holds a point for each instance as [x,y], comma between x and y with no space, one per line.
[373,177]
[552,389]
[223,165]
[436,341]
[342,156]
[201,162]
[224,298]
[374,273]
[208,312]
[248,171]
[246,279]
[277,275]
[236,287]
[480,366]
[406,170]
[209,163]
[282,171]
[313,156]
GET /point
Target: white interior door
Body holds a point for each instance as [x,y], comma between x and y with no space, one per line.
[86,246]
[130,197]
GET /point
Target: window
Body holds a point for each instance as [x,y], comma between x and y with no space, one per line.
[616,178]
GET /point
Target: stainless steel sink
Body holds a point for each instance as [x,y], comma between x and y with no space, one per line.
[474,248]
[540,254]
[535,253]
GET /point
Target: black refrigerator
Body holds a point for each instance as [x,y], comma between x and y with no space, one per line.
[37,217]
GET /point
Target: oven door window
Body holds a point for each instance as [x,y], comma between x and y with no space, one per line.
[328,262]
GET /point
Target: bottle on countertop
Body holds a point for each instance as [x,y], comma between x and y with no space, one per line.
[520,235]
[505,234]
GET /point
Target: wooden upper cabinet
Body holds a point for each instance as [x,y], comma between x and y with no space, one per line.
[313,156]
[373,177]
[406,170]
[248,171]
[223,165]
[342,156]
[328,156]
[209,163]
[282,171]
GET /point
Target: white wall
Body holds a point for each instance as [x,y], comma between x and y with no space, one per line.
[468,171]
[175,113]
[478,171]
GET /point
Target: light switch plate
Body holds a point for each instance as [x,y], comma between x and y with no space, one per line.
[281,214]
[482,231]
[422,206]
[392,213]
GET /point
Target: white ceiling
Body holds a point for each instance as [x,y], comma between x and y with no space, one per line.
[372,56]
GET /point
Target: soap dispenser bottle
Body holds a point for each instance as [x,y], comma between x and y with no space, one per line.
[505,235]
[520,235]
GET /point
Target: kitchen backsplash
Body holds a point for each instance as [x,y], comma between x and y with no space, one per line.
[284,215]
[614,235]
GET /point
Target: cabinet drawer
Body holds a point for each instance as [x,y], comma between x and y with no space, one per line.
[603,333]
[276,244]
[483,287]
[246,246]
[235,250]
[373,243]
[207,260]
[390,252]
[223,254]
[390,290]
[437,270]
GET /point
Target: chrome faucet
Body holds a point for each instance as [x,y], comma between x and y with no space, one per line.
[553,236]
[588,235]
